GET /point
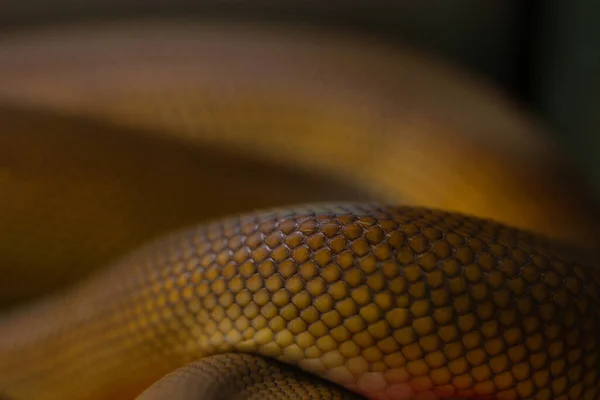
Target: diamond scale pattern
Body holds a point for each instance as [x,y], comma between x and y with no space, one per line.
[389,302]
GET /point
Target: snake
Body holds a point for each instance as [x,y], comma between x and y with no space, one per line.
[219,210]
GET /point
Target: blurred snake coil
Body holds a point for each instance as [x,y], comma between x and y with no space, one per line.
[234,211]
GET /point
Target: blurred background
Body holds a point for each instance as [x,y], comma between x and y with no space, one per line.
[545,54]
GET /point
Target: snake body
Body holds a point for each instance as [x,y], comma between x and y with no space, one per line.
[366,298]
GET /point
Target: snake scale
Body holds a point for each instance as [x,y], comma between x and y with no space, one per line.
[374,225]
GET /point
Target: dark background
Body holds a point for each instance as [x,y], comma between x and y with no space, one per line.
[546,54]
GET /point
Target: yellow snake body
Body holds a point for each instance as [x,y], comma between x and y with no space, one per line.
[126,133]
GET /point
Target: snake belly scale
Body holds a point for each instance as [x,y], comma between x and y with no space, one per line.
[333,300]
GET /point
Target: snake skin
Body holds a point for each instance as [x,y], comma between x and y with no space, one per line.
[177,122]
[389,302]
[243,376]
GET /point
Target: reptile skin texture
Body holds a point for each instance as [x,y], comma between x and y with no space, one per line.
[213,211]
[384,301]
[243,376]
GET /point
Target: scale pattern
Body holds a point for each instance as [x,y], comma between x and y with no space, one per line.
[243,376]
[389,302]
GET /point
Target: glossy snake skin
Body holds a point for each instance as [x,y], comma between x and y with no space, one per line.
[326,300]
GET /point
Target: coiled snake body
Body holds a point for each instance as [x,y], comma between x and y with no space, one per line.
[367,299]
